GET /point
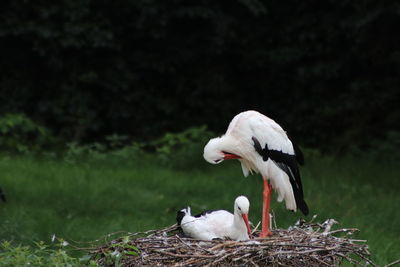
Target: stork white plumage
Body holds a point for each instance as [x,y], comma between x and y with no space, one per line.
[262,146]
[217,224]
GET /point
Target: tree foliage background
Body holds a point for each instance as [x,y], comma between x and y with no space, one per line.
[328,71]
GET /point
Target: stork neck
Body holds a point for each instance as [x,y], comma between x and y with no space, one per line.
[229,144]
[238,223]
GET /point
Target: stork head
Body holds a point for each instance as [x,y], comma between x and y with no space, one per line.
[242,205]
[241,208]
[215,153]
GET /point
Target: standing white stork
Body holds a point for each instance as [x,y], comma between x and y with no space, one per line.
[217,223]
[262,146]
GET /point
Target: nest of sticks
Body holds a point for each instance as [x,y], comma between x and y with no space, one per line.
[304,244]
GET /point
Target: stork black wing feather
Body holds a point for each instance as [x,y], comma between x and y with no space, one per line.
[204,213]
[296,185]
[287,163]
[258,147]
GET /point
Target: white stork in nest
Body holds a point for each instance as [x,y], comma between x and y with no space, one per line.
[213,224]
[262,146]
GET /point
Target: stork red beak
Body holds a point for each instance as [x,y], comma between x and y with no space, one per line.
[230,156]
[246,221]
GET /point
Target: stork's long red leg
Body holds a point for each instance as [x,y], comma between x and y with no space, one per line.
[265,214]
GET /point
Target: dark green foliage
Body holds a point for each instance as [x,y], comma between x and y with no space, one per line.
[18,133]
[328,71]
[182,149]
[39,255]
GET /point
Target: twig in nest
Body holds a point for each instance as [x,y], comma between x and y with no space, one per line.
[393,263]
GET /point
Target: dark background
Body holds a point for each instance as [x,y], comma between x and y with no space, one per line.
[327,71]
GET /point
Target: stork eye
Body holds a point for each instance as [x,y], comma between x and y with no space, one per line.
[217,160]
[239,208]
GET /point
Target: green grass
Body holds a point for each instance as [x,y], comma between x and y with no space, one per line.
[87,199]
